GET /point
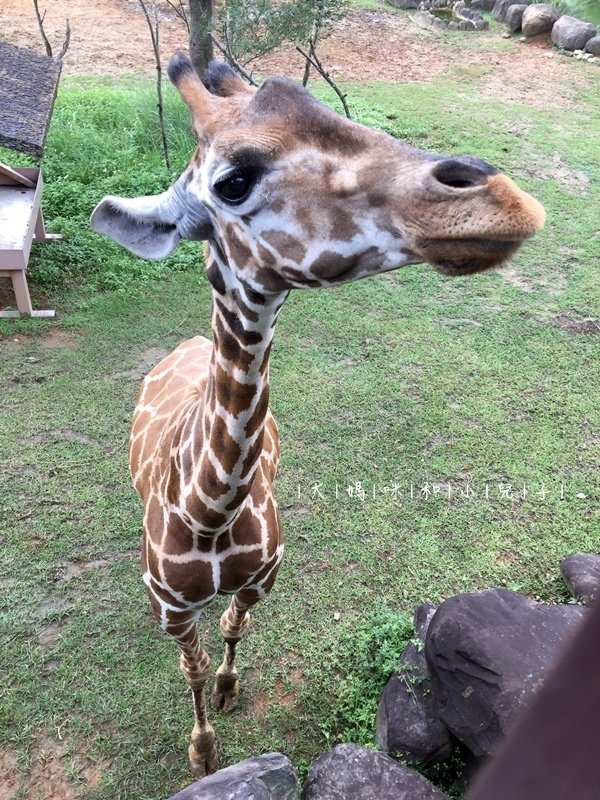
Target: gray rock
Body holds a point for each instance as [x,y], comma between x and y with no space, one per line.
[267,777]
[483,5]
[487,653]
[500,9]
[581,571]
[351,772]
[422,619]
[404,3]
[538,18]
[593,46]
[407,720]
[571,33]
[513,17]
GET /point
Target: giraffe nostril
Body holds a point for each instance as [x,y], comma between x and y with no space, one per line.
[462,173]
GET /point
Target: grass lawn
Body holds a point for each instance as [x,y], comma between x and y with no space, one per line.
[408,378]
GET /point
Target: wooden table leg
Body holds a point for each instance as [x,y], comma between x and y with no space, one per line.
[19,282]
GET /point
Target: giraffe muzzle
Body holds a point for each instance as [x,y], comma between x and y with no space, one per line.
[474,218]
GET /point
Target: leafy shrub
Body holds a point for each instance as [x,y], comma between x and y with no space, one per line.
[104,139]
[365,659]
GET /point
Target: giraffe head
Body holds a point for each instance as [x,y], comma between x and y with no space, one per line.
[292,195]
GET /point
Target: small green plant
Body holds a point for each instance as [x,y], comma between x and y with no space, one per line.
[365,658]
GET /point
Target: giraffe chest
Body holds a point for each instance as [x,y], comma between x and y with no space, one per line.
[191,569]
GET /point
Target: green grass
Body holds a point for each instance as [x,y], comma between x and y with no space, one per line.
[406,378]
[588,10]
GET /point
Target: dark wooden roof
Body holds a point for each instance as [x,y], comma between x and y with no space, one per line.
[28,84]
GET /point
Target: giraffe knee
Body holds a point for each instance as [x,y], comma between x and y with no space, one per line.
[234,626]
[195,670]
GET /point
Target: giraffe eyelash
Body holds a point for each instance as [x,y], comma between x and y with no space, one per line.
[235,185]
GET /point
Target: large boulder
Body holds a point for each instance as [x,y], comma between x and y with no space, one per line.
[483,5]
[571,33]
[593,46]
[351,772]
[514,17]
[404,3]
[487,653]
[581,571]
[407,720]
[538,18]
[500,9]
[267,777]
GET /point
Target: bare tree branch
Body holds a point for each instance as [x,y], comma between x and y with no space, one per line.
[47,45]
[154,35]
[312,43]
[65,44]
[232,60]
[40,19]
[315,62]
[181,13]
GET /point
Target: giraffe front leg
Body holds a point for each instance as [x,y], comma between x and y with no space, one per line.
[195,665]
[234,626]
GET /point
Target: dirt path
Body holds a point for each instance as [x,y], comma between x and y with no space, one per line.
[110,37]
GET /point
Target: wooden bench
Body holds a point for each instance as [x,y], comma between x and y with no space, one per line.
[28,84]
[21,225]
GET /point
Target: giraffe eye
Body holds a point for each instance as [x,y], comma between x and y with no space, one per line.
[236,186]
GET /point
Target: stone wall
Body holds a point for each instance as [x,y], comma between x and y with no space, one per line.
[571,35]
[463,17]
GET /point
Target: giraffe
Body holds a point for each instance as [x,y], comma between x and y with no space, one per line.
[287,195]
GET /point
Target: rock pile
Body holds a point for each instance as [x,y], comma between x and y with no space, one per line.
[534,19]
[463,17]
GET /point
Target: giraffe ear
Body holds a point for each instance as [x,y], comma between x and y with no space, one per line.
[151,227]
[220,79]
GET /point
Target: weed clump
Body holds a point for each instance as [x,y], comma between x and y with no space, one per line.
[365,658]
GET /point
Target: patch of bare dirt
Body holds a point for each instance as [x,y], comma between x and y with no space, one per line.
[74,569]
[577,324]
[111,37]
[16,342]
[94,771]
[52,605]
[48,776]
[149,359]
[513,276]
[551,284]
[10,778]
[294,511]
[572,180]
[58,339]
[47,636]
[263,701]
[62,433]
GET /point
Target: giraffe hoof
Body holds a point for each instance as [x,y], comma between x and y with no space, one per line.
[202,764]
[225,695]
[202,752]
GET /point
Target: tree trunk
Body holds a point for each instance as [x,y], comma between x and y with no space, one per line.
[201,52]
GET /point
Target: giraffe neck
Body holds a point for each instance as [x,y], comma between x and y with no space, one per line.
[218,452]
